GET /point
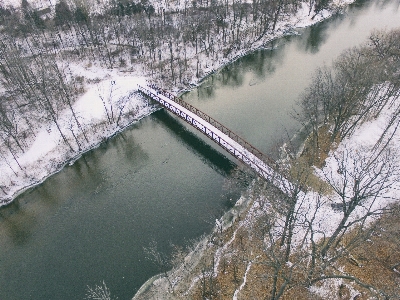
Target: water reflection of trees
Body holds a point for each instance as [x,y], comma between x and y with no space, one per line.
[361,3]
[382,3]
[261,63]
[207,88]
[318,34]
[87,175]
[315,37]
[17,223]
[106,167]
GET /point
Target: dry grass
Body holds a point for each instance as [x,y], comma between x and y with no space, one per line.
[301,169]
[316,149]
[371,262]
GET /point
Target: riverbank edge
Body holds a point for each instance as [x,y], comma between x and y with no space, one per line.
[70,161]
[193,258]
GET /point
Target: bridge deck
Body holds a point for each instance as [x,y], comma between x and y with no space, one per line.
[224,137]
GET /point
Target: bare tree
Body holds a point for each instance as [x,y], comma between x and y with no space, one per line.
[361,184]
[162,261]
[98,292]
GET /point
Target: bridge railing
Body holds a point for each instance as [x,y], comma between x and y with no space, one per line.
[217,125]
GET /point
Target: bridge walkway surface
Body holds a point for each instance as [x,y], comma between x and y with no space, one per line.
[227,139]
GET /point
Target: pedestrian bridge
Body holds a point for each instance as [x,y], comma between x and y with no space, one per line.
[227,139]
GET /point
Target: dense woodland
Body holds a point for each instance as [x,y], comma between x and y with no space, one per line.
[172,42]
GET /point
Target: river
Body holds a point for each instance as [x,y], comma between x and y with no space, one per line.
[160,180]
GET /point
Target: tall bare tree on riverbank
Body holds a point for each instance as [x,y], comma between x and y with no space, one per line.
[36,82]
[359,85]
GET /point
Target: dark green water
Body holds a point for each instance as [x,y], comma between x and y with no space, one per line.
[160,180]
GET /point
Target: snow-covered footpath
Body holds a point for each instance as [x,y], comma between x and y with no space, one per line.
[110,92]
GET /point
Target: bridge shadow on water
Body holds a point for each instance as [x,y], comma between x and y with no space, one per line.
[212,157]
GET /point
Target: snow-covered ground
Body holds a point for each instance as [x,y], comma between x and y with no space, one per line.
[353,153]
[361,160]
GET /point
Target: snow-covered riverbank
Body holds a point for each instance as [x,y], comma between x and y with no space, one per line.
[48,153]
